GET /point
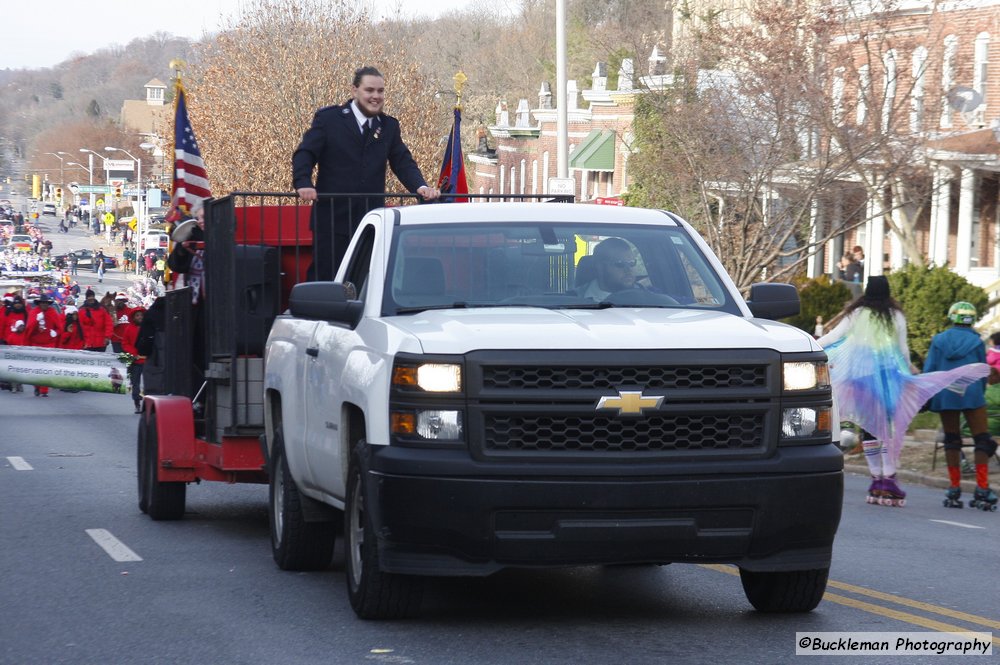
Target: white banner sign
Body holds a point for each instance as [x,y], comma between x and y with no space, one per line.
[63,368]
[119,165]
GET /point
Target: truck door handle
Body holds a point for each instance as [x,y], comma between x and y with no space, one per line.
[313,351]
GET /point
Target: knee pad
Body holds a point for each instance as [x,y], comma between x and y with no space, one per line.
[952,441]
[985,444]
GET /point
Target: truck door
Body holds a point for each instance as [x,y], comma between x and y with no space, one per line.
[329,384]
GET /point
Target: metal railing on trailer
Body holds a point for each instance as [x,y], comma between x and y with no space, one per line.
[258,245]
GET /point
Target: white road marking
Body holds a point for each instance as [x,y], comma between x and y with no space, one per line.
[19,464]
[115,548]
[964,526]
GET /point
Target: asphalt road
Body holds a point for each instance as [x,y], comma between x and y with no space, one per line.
[205,590]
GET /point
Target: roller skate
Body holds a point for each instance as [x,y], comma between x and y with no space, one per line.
[984,499]
[953,498]
[892,493]
[874,490]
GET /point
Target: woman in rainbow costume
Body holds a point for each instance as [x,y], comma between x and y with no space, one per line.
[877,387]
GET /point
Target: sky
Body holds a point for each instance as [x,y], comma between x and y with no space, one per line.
[45,34]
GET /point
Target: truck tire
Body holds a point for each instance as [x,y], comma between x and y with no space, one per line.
[374,594]
[164,500]
[140,465]
[295,543]
[785,592]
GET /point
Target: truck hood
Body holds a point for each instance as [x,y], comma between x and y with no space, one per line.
[465,330]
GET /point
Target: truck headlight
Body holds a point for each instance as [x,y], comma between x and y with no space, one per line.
[805,375]
[435,425]
[430,377]
[804,422]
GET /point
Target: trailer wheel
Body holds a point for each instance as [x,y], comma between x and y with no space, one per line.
[374,594]
[295,543]
[785,592]
[140,449]
[164,501]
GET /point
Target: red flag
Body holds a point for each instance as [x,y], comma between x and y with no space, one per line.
[452,179]
[190,176]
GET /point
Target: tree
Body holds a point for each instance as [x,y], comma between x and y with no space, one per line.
[758,134]
[261,80]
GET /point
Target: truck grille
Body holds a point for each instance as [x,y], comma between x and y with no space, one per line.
[520,433]
[611,378]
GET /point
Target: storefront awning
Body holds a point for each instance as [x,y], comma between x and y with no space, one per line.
[596,153]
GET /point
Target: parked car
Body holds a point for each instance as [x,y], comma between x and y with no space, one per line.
[85,259]
[49,209]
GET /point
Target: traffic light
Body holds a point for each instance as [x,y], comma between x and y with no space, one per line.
[118,192]
[58,193]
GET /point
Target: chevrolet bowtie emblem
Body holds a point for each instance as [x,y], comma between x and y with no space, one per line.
[630,402]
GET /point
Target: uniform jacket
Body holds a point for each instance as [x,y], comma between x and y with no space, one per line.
[129,336]
[955,347]
[348,163]
[72,336]
[96,322]
[43,328]
[11,316]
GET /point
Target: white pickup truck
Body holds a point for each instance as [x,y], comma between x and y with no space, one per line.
[542,384]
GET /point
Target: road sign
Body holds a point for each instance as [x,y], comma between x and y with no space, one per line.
[609,201]
[94,189]
[99,202]
[116,182]
[119,165]
[131,191]
[562,186]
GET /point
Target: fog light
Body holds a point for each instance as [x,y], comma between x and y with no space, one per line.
[443,425]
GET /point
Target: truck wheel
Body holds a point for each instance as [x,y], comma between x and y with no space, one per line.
[785,592]
[140,466]
[374,594]
[295,543]
[164,501]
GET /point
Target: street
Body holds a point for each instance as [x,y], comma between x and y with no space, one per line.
[205,589]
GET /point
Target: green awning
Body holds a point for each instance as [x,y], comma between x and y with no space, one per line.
[596,153]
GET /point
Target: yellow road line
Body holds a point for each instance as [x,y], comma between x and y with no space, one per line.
[916,604]
[899,616]
[888,612]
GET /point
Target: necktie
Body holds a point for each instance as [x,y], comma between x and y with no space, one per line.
[366,131]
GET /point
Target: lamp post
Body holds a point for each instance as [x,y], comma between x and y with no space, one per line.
[140,208]
[90,159]
[62,174]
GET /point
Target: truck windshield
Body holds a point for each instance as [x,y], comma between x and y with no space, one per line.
[552,265]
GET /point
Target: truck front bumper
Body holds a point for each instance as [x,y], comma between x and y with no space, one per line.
[458,518]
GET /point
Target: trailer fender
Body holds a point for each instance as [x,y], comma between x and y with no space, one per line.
[175,434]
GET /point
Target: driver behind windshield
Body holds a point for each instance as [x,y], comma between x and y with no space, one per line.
[615,263]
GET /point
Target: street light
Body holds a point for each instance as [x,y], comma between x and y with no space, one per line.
[140,209]
[62,174]
[82,167]
[90,160]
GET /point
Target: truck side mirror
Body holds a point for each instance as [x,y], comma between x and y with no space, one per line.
[769,300]
[325,301]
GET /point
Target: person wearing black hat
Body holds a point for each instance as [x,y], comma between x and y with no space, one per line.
[875,385]
[43,329]
[16,312]
[96,323]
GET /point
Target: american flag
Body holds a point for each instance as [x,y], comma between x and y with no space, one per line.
[190,177]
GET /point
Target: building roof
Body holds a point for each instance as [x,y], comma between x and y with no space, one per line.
[978,142]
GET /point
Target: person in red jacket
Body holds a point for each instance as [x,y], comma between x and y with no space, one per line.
[14,336]
[16,312]
[96,323]
[43,328]
[129,336]
[120,321]
[72,333]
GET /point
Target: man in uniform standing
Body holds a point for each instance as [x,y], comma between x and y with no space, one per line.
[351,144]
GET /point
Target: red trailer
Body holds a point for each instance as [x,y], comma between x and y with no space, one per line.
[203,413]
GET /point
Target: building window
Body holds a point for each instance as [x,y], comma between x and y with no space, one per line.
[980,66]
[889,65]
[864,94]
[838,96]
[948,77]
[919,63]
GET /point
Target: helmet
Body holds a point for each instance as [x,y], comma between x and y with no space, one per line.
[962,313]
